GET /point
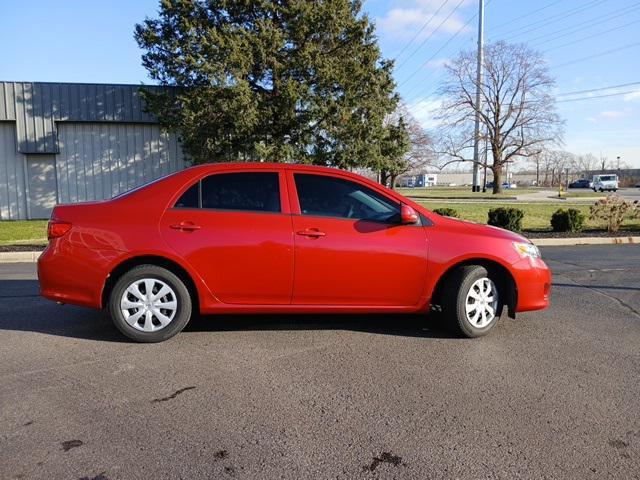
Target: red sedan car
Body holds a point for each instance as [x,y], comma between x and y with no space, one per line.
[266,238]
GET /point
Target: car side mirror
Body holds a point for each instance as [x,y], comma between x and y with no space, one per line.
[408,215]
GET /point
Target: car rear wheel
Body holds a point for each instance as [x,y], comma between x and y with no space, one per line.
[472,301]
[150,304]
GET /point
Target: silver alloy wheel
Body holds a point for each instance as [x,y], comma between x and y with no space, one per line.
[149,304]
[481,303]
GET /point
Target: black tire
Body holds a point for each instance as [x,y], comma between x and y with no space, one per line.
[182,299]
[455,294]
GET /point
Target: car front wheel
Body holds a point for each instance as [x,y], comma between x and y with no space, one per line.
[472,301]
[150,304]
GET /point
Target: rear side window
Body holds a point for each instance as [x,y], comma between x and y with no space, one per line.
[326,196]
[252,191]
[190,198]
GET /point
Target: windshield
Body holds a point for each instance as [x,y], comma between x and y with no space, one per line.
[607,178]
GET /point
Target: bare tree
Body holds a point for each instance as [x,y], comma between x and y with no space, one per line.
[420,153]
[518,114]
[586,163]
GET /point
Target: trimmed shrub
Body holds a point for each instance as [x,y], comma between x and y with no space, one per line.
[570,220]
[614,210]
[447,212]
[509,218]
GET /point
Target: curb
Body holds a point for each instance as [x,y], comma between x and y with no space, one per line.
[16,257]
[553,242]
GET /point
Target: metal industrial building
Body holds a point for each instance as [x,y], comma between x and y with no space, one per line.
[69,142]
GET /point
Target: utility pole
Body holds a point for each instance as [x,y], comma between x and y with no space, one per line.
[476,142]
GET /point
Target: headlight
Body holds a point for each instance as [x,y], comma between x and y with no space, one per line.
[527,249]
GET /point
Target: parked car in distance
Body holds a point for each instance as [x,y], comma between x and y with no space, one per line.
[582,183]
[279,238]
[505,185]
[607,182]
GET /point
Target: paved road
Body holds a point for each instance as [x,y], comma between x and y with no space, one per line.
[551,195]
[550,395]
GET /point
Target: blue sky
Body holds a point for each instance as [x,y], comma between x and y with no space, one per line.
[90,41]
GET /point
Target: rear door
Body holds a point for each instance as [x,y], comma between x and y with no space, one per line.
[350,249]
[234,229]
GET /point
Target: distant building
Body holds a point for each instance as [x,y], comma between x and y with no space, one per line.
[71,142]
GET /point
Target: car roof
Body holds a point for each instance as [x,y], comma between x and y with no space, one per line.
[262,166]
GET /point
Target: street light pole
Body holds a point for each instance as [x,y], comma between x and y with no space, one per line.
[476,146]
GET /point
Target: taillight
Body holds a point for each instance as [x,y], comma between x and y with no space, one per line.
[57,228]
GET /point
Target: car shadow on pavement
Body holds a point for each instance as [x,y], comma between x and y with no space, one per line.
[405,325]
[23,309]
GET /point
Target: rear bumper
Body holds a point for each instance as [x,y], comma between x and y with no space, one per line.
[533,281]
[73,275]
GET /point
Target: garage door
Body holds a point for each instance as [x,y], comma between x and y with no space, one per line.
[100,160]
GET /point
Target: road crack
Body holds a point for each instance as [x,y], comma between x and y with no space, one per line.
[605,294]
[172,396]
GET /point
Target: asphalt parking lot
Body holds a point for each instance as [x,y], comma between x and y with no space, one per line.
[553,394]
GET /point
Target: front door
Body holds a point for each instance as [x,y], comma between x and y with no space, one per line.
[349,247]
[234,231]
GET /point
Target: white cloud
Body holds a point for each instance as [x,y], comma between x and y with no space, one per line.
[591,120]
[613,114]
[405,22]
[632,96]
[424,110]
[439,63]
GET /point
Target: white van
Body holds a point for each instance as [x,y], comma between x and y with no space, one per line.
[607,182]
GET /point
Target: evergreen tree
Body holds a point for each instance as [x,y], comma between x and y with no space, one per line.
[275,80]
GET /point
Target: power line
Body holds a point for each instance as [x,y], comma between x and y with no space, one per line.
[591,36]
[624,47]
[549,37]
[598,96]
[579,26]
[598,89]
[497,27]
[425,25]
[439,50]
[431,34]
[552,19]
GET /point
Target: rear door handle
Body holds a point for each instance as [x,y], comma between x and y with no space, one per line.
[186,226]
[311,232]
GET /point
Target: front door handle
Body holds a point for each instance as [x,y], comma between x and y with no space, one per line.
[186,226]
[311,232]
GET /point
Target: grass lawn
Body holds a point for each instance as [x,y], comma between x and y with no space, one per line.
[585,194]
[537,216]
[459,192]
[23,232]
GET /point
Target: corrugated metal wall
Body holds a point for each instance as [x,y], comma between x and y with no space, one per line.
[103,141]
[98,161]
[13,200]
[35,107]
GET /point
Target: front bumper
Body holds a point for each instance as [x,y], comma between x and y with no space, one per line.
[533,283]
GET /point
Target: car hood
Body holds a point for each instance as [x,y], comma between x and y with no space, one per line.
[468,227]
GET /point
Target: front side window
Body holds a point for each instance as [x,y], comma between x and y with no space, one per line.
[321,195]
[251,191]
